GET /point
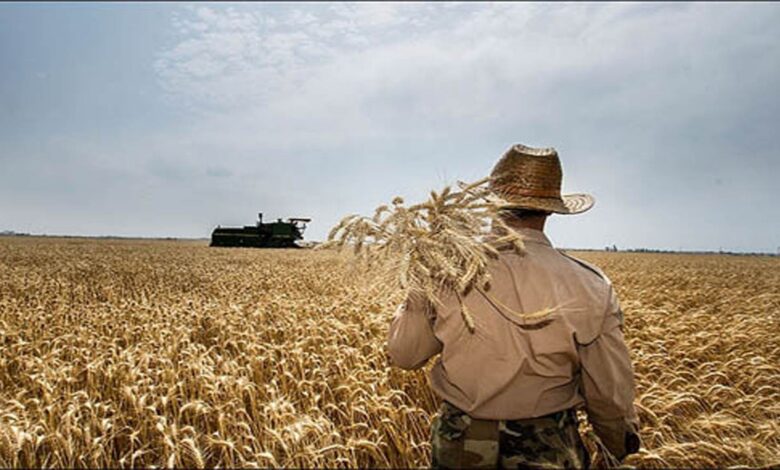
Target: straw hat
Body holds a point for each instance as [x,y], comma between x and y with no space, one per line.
[530,178]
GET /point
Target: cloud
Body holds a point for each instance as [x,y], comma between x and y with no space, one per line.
[379,61]
[225,57]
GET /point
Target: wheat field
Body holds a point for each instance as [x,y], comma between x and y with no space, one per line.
[173,354]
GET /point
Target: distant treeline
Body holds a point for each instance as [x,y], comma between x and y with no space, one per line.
[614,249]
[11,233]
[309,244]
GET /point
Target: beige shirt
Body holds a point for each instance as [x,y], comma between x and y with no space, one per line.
[514,368]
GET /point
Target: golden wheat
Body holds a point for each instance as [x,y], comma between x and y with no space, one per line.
[442,245]
[136,353]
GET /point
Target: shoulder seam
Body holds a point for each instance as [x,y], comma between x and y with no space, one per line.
[590,267]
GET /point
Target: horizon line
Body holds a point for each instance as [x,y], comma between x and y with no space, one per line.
[606,249]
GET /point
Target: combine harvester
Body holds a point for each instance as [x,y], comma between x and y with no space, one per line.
[277,234]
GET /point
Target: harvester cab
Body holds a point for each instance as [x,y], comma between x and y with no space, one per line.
[299,222]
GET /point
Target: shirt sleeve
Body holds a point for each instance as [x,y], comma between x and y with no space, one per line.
[608,386]
[411,341]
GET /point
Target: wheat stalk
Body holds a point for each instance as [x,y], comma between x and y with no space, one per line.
[442,245]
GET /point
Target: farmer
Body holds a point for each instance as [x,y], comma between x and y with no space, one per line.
[510,388]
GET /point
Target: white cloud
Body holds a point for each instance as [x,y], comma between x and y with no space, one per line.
[228,58]
[474,63]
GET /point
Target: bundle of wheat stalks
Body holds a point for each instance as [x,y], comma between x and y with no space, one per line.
[440,246]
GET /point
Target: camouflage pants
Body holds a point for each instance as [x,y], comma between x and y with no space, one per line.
[551,441]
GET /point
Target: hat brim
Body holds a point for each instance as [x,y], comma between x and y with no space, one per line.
[567,204]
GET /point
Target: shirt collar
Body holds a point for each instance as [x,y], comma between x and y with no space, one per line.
[529,235]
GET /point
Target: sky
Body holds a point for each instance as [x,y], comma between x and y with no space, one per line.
[168,119]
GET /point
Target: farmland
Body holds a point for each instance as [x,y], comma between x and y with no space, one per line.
[163,353]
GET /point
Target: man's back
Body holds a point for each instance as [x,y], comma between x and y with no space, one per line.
[521,362]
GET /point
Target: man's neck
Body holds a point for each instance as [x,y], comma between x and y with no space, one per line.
[535,223]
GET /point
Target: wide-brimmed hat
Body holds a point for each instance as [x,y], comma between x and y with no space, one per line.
[530,178]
